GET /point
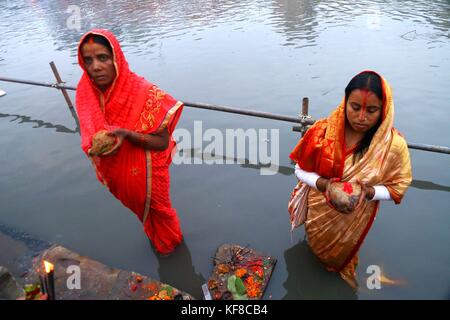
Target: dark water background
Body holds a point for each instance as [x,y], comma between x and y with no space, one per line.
[263,55]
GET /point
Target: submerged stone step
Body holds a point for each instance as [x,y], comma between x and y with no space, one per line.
[82,278]
[9,288]
[21,262]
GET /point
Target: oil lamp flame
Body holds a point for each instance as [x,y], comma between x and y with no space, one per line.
[48,266]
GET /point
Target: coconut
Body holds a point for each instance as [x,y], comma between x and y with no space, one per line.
[101,143]
[344,195]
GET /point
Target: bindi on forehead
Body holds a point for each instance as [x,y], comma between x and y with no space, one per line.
[94,49]
[85,52]
[365,95]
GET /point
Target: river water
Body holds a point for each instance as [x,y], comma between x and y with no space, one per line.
[264,55]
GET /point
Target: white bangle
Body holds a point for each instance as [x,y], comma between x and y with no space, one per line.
[310,178]
[381,193]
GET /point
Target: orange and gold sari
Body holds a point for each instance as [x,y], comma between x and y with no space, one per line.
[334,237]
[138,178]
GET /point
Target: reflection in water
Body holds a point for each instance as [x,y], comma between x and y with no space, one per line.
[41,123]
[194,153]
[142,23]
[428,185]
[267,44]
[296,20]
[308,278]
[243,163]
[178,271]
[288,171]
[299,21]
[146,23]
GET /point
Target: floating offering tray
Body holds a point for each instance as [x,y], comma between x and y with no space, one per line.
[240,273]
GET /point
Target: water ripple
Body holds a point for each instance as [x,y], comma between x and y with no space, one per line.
[300,23]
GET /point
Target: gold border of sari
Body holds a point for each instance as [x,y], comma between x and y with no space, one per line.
[169,115]
[148,158]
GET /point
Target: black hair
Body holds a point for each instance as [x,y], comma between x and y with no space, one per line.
[98,39]
[372,82]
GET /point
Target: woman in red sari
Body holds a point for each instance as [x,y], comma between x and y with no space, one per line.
[358,145]
[142,118]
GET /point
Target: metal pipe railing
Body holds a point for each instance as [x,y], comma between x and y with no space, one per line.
[37,83]
[303,119]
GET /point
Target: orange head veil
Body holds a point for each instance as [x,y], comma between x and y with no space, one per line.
[130,102]
[322,149]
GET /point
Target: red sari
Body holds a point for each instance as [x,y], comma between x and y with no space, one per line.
[139,178]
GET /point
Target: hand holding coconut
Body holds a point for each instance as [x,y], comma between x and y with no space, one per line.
[119,134]
[105,143]
[345,197]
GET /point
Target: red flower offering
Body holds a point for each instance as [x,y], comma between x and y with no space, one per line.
[348,188]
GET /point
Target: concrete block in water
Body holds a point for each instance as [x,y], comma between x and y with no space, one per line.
[97,281]
[9,288]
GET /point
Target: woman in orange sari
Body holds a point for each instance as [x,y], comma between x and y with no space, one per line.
[358,146]
[141,117]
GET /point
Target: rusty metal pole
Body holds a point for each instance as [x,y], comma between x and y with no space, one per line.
[304,118]
[305,106]
[59,81]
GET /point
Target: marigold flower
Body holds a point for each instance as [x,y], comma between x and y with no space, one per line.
[253,292]
[240,272]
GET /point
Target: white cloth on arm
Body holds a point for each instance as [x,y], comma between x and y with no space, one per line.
[310,178]
[381,193]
